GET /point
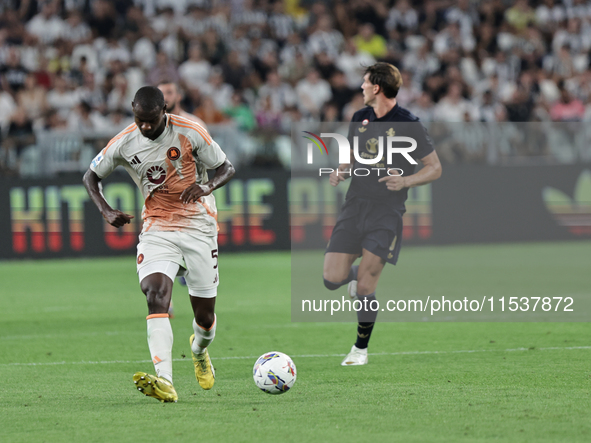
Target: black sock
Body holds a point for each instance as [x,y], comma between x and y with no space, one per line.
[352,276]
[363,334]
[366,318]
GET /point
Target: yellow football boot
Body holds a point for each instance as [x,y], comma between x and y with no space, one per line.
[156,387]
[204,372]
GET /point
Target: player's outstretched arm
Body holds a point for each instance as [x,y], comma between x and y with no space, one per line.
[223,174]
[430,171]
[113,216]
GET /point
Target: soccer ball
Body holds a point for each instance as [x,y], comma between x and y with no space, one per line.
[274,373]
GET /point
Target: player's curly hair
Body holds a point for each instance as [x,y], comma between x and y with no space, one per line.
[386,76]
[149,98]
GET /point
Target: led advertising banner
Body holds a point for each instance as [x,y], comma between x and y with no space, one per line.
[470,203]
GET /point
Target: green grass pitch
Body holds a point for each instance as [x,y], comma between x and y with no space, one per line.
[73,332]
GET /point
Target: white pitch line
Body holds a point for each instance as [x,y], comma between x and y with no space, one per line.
[253,357]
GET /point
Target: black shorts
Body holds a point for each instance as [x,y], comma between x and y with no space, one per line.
[369,225]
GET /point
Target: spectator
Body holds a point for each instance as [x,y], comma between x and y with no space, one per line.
[233,70]
[325,38]
[195,71]
[84,119]
[451,39]
[165,69]
[121,95]
[47,26]
[549,14]
[144,50]
[218,89]
[214,49]
[20,130]
[465,15]
[13,74]
[208,112]
[520,15]
[402,17]
[32,98]
[90,93]
[453,107]
[281,93]
[341,93]
[330,112]
[423,108]
[52,121]
[353,106]
[103,19]
[324,64]
[296,69]
[282,25]
[240,113]
[575,37]
[567,108]
[76,30]
[367,40]
[352,62]
[489,110]
[267,118]
[312,93]
[7,108]
[61,97]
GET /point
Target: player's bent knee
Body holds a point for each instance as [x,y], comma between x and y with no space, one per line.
[330,285]
[157,297]
[365,288]
[205,320]
[334,276]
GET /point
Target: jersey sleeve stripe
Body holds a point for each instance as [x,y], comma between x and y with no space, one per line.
[186,121]
[199,129]
[194,125]
[127,130]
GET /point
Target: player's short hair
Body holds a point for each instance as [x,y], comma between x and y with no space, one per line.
[148,98]
[386,76]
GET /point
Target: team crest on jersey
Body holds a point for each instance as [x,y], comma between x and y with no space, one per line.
[140,259]
[173,153]
[372,145]
[156,175]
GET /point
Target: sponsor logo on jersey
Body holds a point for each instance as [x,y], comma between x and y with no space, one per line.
[135,160]
[97,159]
[391,132]
[156,174]
[173,153]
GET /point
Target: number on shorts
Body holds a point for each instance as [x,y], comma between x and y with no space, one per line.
[214,254]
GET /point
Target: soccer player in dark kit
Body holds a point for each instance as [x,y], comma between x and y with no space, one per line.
[370,223]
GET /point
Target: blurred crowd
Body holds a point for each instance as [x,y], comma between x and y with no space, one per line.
[261,64]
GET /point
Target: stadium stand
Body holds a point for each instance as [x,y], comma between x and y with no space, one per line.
[254,67]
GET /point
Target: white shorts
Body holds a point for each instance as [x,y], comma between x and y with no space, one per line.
[195,257]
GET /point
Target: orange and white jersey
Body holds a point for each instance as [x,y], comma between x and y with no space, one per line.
[163,169]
